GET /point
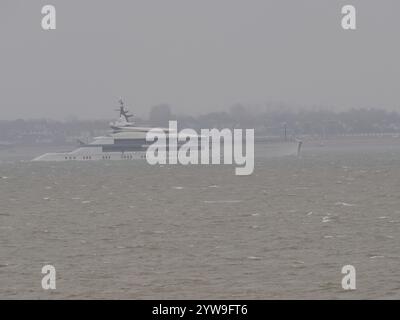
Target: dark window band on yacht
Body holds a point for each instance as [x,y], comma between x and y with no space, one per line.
[119,148]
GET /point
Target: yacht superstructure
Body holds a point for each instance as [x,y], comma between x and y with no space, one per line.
[125,141]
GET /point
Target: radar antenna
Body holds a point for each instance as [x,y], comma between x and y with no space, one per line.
[123,112]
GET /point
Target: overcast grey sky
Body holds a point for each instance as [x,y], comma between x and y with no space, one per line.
[196,55]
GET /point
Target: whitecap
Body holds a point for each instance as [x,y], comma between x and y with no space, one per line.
[344,204]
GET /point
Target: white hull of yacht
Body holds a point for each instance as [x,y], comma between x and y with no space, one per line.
[269,150]
[92,153]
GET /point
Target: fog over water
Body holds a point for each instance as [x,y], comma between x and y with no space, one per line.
[198,56]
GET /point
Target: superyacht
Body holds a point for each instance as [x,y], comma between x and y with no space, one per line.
[126,141]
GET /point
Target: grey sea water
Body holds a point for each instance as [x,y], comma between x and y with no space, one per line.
[133,231]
